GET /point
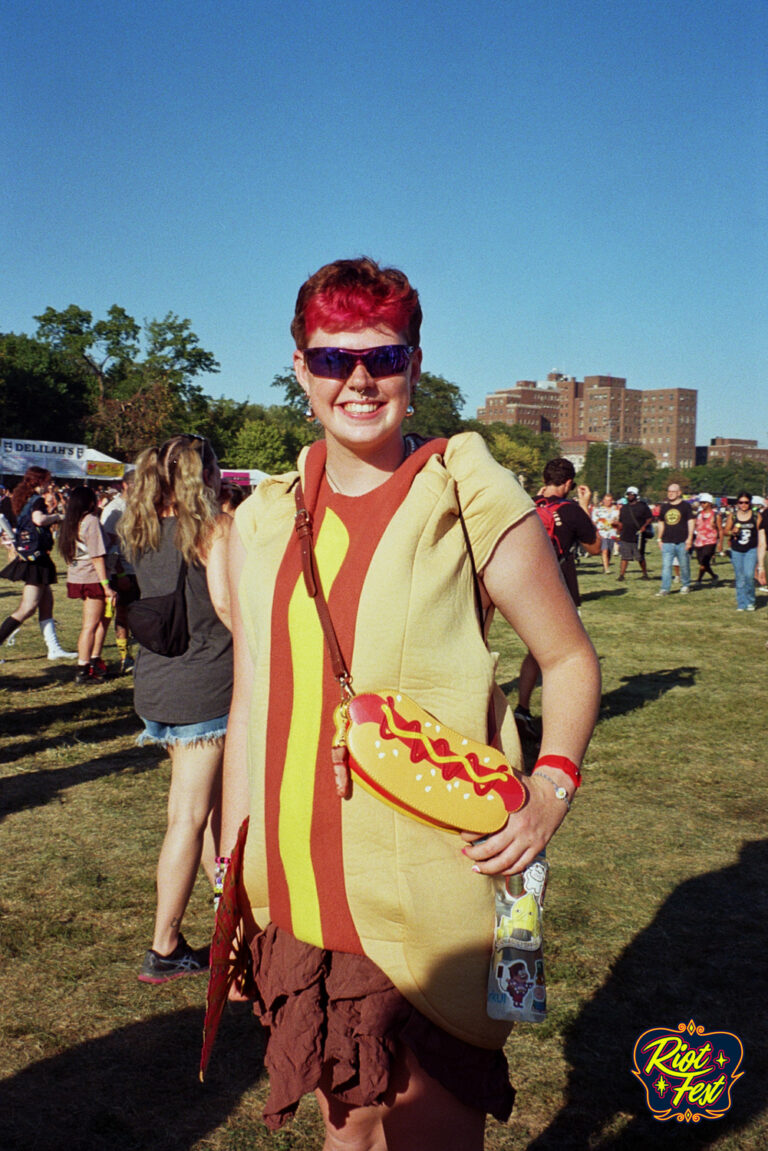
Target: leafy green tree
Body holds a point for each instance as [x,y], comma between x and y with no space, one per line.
[262,444]
[219,420]
[294,397]
[105,348]
[631,465]
[125,425]
[722,478]
[41,394]
[437,407]
[522,459]
[174,355]
[139,395]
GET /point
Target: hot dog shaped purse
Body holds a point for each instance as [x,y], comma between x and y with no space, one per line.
[404,756]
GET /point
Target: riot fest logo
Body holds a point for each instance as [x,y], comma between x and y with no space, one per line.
[688,1073]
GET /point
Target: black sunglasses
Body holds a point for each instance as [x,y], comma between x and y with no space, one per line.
[340,363]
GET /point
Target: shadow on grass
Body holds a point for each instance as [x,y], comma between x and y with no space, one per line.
[89,702]
[604,593]
[36,788]
[135,1089]
[95,732]
[51,675]
[646,687]
[702,958]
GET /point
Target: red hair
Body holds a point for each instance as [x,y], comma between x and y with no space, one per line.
[34,477]
[353,294]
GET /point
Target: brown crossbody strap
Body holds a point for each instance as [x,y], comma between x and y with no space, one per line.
[303,526]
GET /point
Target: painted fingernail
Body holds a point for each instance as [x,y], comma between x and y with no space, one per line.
[476,868]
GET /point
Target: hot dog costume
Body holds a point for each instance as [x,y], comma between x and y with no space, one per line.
[355,875]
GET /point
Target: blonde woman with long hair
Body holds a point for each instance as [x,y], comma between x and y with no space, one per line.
[172,517]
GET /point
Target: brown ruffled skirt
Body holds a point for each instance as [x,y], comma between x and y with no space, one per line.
[329,1009]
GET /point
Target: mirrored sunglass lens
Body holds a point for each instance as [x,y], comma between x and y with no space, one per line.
[387,361]
[331,363]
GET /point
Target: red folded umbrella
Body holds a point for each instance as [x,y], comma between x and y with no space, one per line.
[230,959]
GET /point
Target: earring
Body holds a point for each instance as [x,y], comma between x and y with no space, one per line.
[409,411]
[309,415]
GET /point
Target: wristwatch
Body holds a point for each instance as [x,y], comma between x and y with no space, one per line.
[560,791]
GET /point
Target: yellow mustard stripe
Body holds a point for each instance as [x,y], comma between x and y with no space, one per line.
[307,646]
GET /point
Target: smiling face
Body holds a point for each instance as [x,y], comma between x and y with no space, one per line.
[361,415]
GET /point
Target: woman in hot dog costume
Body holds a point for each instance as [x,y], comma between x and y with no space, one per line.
[376,929]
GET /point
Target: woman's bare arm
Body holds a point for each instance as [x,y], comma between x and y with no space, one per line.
[235,792]
[216,569]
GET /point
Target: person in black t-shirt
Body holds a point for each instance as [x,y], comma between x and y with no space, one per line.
[568,524]
[676,524]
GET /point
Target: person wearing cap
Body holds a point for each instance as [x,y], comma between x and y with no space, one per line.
[707,536]
[634,518]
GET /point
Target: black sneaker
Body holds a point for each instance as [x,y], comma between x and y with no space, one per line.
[183,960]
[526,725]
[83,673]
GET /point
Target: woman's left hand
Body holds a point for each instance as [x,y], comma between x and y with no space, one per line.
[523,836]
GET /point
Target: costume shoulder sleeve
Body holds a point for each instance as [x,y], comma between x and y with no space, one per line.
[260,503]
[490,496]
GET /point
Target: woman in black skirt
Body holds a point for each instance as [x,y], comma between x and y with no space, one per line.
[38,575]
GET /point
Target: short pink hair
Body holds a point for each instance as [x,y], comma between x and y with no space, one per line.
[353,294]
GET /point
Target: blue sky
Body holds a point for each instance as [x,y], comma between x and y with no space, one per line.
[578,186]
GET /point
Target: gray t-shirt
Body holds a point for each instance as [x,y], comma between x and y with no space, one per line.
[90,542]
[196,686]
[110,518]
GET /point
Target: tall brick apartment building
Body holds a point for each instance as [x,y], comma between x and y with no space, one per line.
[599,408]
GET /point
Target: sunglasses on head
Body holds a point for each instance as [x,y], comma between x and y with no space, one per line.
[340,363]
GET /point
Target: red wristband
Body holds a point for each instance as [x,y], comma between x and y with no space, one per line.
[563,764]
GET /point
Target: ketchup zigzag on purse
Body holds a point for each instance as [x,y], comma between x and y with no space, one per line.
[399,752]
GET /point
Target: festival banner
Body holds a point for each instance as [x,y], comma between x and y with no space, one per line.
[62,460]
[105,469]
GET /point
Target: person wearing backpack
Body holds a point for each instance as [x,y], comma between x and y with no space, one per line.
[32,563]
[568,524]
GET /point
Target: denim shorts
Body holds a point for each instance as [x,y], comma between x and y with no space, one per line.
[182,734]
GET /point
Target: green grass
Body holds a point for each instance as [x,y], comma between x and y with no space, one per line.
[656,912]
